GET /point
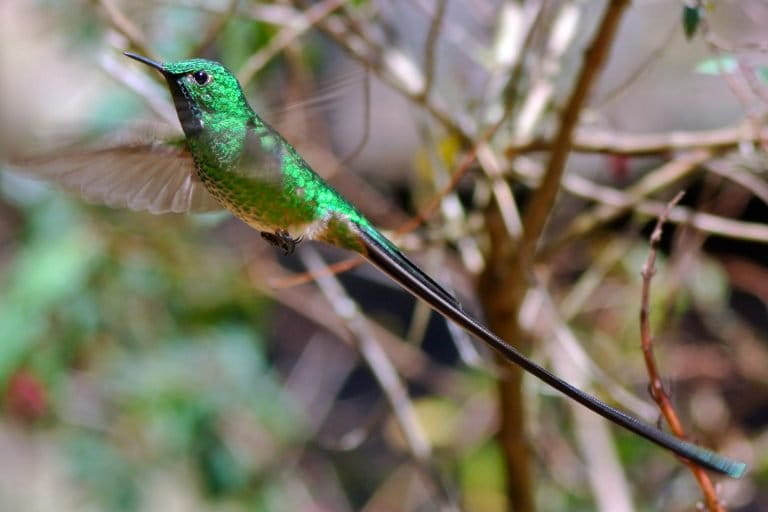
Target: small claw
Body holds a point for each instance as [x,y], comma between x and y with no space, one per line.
[282,240]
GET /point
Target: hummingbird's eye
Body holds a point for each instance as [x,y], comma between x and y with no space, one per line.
[201,77]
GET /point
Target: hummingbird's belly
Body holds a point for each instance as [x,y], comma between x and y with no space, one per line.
[265,205]
[264,216]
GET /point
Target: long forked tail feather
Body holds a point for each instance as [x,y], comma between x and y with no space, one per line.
[384,255]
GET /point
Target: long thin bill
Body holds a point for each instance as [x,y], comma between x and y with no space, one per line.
[149,62]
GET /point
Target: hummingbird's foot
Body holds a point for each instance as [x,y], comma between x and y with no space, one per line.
[282,240]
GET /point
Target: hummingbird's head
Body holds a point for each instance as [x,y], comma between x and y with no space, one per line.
[203,91]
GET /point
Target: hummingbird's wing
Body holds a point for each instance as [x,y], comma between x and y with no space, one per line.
[157,177]
[383,254]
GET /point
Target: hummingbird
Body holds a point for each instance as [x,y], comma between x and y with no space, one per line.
[229,156]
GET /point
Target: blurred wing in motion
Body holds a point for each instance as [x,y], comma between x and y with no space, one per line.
[155,177]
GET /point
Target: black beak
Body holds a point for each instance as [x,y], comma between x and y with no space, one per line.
[149,62]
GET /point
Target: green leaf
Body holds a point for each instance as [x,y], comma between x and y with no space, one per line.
[691,19]
[717,65]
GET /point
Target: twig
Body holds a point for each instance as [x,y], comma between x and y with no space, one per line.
[591,140]
[306,277]
[456,33]
[122,24]
[646,340]
[607,477]
[705,222]
[652,182]
[430,46]
[744,178]
[539,97]
[383,370]
[215,28]
[542,202]
[363,141]
[504,283]
[149,91]
[512,58]
[285,37]
[380,61]
[641,68]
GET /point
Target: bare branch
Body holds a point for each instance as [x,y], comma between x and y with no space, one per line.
[286,37]
[542,201]
[646,340]
[590,140]
[383,370]
[122,24]
[218,24]
[431,45]
[657,180]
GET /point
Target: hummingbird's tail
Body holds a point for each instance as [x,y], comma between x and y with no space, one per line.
[383,254]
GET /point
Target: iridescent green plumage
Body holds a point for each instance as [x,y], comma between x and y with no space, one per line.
[249,167]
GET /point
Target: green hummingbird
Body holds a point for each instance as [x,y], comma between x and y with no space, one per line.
[229,156]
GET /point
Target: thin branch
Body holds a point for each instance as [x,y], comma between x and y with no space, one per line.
[657,180]
[540,93]
[511,58]
[615,203]
[742,177]
[286,37]
[399,77]
[709,223]
[456,33]
[147,90]
[543,199]
[366,122]
[652,58]
[215,28]
[384,371]
[431,45]
[590,140]
[606,476]
[122,24]
[656,387]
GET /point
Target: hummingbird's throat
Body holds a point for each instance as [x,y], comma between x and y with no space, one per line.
[190,115]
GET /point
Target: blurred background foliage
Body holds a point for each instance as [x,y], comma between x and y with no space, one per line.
[160,363]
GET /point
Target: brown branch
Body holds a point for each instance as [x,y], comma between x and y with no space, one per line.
[652,182]
[364,50]
[306,277]
[430,46]
[286,37]
[653,57]
[744,178]
[365,136]
[504,282]
[542,202]
[385,373]
[591,140]
[656,387]
[614,202]
[122,24]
